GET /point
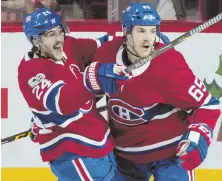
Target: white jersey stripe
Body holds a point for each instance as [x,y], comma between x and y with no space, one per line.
[77,137]
[98,43]
[49,90]
[70,120]
[41,112]
[149,147]
[207,100]
[57,101]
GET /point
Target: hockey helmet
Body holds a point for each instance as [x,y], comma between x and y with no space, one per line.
[40,21]
[142,14]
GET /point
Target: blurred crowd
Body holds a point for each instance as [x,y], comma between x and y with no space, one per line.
[194,10]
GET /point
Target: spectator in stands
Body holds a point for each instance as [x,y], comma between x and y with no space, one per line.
[176,9]
[209,8]
[12,9]
[97,9]
[19,8]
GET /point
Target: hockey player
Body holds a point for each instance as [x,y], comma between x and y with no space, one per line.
[73,138]
[163,119]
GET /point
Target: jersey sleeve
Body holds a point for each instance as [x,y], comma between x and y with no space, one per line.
[108,51]
[48,87]
[100,54]
[86,49]
[182,89]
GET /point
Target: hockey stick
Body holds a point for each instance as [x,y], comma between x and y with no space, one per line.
[29,132]
[174,43]
[16,137]
[139,64]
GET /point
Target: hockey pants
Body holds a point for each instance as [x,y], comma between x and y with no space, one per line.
[164,170]
[87,169]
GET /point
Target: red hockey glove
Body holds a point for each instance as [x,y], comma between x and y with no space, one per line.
[36,131]
[193,146]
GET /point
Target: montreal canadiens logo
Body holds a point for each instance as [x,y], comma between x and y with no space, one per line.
[28,19]
[125,113]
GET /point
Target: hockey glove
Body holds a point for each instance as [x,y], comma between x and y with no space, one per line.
[35,131]
[193,146]
[164,38]
[102,77]
[103,39]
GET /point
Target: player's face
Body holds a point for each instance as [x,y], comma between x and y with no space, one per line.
[51,43]
[143,38]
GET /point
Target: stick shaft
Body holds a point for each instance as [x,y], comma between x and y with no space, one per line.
[29,133]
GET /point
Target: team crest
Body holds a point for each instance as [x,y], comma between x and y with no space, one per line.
[125,113]
[28,19]
[149,17]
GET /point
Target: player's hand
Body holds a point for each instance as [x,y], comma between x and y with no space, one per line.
[102,77]
[193,146]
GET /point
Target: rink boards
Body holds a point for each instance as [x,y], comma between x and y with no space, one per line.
[21,160]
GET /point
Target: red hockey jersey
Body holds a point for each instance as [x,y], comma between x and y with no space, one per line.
[145,115]
[62,106]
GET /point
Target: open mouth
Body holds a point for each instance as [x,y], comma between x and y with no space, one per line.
[146,47]
[58,47]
